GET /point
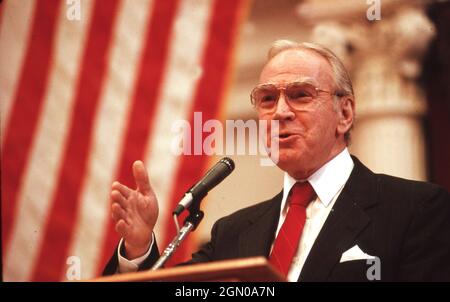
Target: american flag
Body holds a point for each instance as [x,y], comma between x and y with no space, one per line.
[82,97]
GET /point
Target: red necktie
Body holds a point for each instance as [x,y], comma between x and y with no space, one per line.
[289,235]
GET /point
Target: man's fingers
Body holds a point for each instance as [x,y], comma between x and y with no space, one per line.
[141,178]
[116,196]
[124,190]
[122,228]
[118,212]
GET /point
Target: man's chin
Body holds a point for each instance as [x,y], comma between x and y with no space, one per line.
[293,164]
[287,162]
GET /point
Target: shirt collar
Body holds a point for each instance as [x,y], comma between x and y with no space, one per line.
[327,181]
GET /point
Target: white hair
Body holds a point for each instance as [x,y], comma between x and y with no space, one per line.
[340,74]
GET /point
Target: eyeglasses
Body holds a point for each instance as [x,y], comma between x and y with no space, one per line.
[297,94]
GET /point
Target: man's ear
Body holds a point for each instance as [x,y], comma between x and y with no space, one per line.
[346,112]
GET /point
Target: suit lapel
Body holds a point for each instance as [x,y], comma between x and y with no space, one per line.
[258,237]
[346,220]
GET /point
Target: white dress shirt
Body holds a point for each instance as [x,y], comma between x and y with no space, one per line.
[327,182]
[128,266]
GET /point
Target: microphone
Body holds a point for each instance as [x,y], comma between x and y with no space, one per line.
[213,177]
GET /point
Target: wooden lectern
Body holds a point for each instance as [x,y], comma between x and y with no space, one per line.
[255,269]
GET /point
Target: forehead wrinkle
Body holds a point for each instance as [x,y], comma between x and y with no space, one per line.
[292,63]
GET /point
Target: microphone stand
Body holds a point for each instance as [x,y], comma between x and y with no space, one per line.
[190,224]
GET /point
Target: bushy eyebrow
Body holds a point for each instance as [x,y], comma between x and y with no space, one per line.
[302,80]
[308,80]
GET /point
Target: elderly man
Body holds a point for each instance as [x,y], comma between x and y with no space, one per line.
[333,214]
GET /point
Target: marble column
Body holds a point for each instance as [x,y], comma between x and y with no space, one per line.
[384,59]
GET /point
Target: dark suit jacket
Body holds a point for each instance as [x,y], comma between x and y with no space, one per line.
[404,223]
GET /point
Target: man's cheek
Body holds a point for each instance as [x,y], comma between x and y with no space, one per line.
[266,125]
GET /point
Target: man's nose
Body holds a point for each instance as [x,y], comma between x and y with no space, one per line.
[283,111]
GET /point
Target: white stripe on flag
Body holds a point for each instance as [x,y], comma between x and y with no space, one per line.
[179,85]
[41,175]
[110,123]
[14,34]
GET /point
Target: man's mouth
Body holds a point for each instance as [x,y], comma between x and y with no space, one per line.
[284,135]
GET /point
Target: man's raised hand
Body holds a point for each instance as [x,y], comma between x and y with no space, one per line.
[135,212]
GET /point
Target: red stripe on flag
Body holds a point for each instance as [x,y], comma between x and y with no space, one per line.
[216,61]
[60,224]
[26,110]
[144,103]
